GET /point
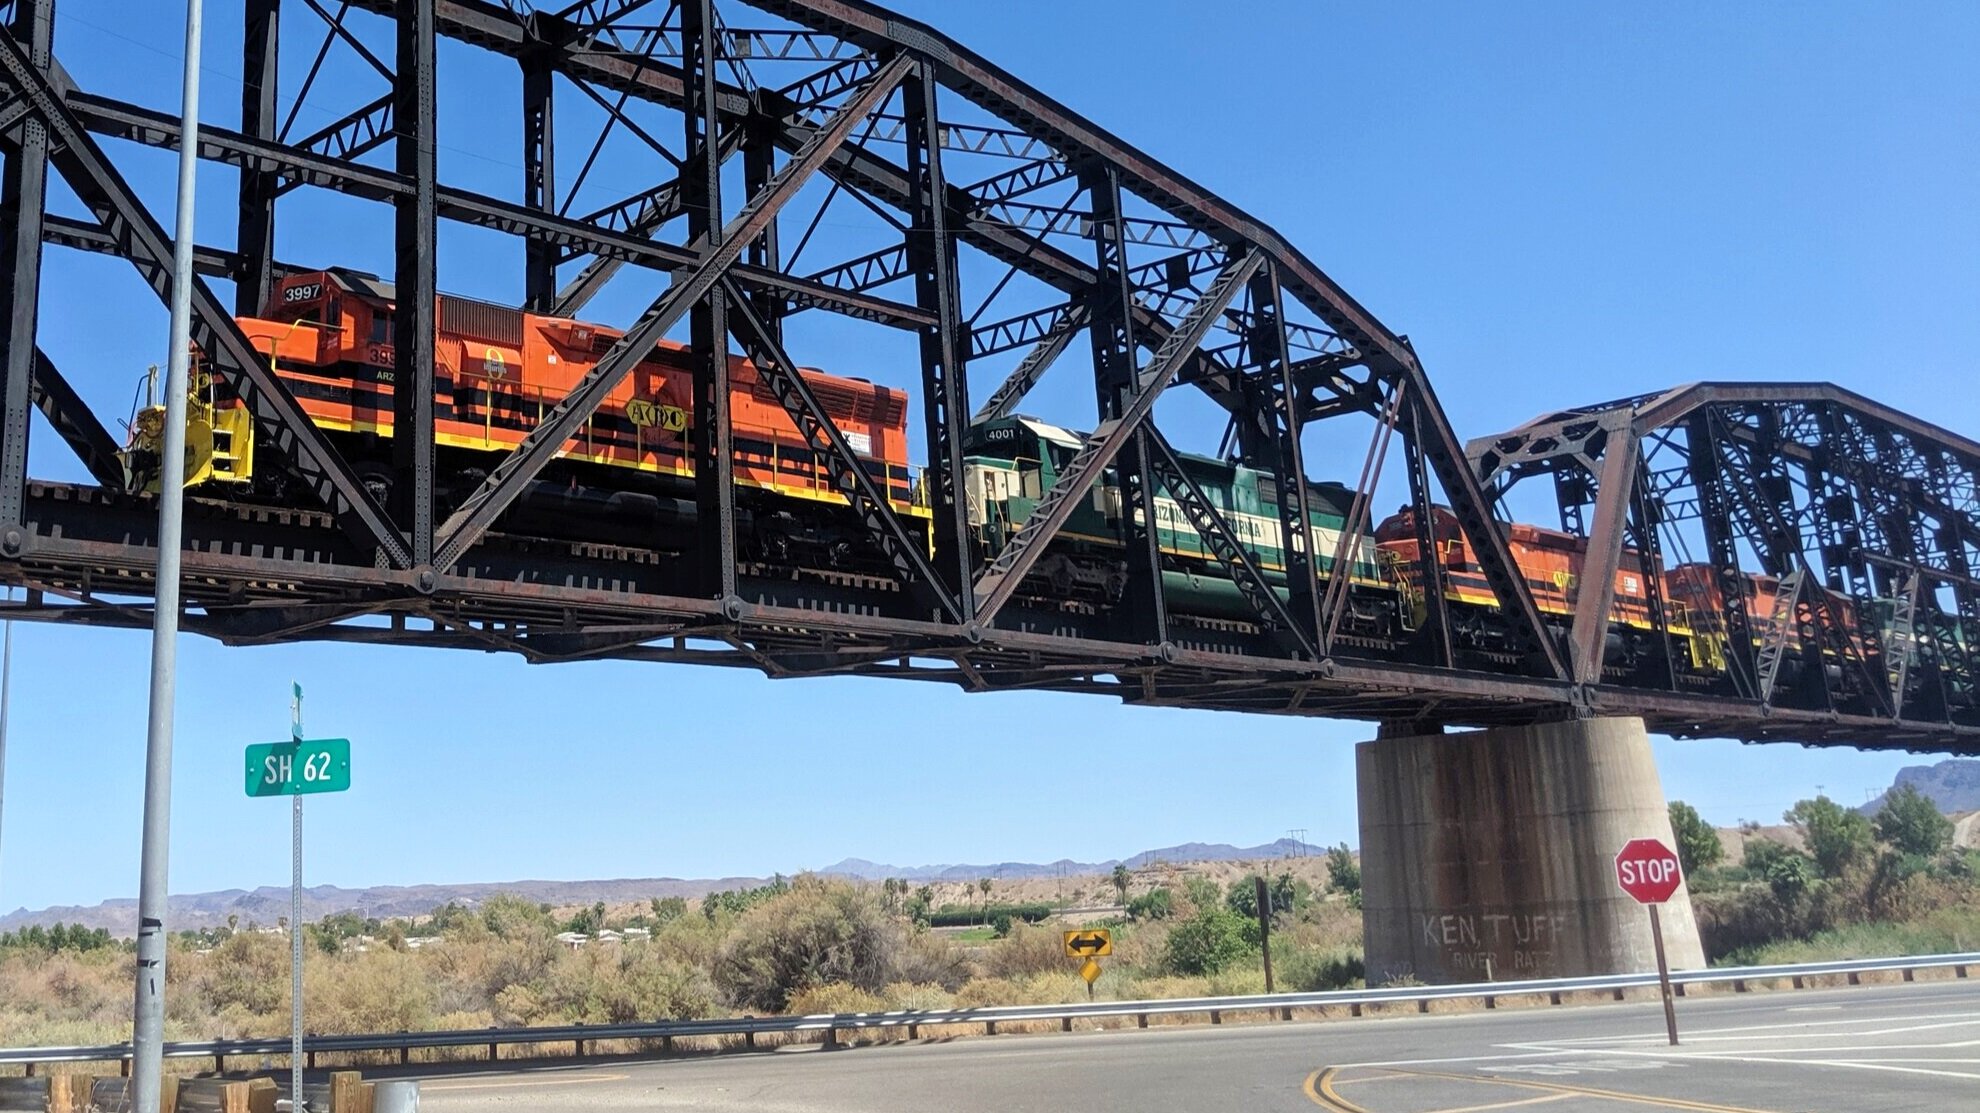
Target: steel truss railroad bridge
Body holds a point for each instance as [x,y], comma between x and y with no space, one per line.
[1061,230]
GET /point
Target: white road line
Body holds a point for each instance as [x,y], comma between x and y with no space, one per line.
[1958,1018]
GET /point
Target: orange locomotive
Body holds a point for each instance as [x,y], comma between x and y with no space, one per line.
[328,335]
[1551,563]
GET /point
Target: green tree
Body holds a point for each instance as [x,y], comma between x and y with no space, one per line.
[1789,876]
[1343,872]
[1242,897]
[917,905]
[1122,879]
[1698,845]
[588,921]
[1913,824]
[1156,904]
[1760,855]
[1000,925]
[1837,837]
[667,909]
[1205,943]
[510,916]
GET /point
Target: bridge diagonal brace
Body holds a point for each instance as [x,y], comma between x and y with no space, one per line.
[277,414]
[364,130]
[905,553]
[74,423]
[466,525]
[1597,596]
[1000,580]
[655,208]
[1223,543]
[1035,363]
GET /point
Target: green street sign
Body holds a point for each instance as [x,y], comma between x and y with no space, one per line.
[300,767]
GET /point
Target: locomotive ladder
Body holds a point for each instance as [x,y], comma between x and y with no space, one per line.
[1774,647]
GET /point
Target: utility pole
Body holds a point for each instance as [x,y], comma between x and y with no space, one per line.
[154,876]
[1264,895]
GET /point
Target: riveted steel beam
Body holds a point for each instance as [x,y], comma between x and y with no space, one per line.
[1000,580]
[90,174]
[546,440]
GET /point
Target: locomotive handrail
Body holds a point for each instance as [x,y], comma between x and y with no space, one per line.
[583,1035]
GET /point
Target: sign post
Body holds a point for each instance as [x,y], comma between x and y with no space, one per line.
[297,768]
[295,916]
[1650,873]
[1089,944]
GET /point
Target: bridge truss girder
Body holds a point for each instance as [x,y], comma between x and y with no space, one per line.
[1189,291]
[1868,519]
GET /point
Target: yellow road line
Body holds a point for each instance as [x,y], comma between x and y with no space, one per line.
[569,1080]
[1319,1089]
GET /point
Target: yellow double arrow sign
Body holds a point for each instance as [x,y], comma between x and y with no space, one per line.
[1090,943]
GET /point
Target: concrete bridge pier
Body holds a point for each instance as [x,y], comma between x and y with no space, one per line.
[1499,846]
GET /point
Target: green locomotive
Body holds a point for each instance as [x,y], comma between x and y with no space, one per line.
[1011,462]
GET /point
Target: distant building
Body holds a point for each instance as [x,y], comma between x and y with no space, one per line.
[572,939]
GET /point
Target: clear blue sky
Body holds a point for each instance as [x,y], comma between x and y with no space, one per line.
[1558,203]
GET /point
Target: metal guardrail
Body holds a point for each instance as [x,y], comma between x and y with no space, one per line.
[990,1017]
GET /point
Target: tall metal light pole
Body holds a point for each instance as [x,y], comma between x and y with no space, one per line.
[6,686]
[148,1026]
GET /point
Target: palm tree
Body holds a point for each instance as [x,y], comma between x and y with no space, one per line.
[1121,879]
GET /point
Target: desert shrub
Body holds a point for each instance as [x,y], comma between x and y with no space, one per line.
[248,973]
[834,997]
[1028,950]
[384,991]
[926,958]
[1205,943]
[1299,969]
[917,995]
[816,933]
[1035,989]
[1142,944]
[978,993]
[511,916]
[1201,893]
[1241,980]
[653,987]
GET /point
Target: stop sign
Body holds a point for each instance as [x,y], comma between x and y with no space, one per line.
[1648,870]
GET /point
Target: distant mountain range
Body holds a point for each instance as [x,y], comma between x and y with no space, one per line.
[267,904]
[1953,784]
[1186,852]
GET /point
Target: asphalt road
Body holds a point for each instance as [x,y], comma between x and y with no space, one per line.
[1895,1049]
